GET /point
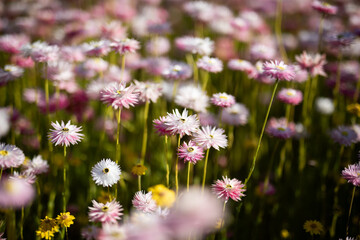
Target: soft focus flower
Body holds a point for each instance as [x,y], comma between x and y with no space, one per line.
[237,114]
[352,174]
[242,65]
[161,127]
[48,226]
[279,70]
[194,45]
[313,227]
[112,232]
[30,178]
[192,97]
[144,202]
[280,128]
[208,137]
[290,96]
[181,123]
[37,165]
[15,193]
[90,232]
[4,121]
[324,7]
[118,95]
[41,51]
[354,109]
[163,196]
[158,46]
[96,48]
[209,64]
[149,91]
[344,135]
[125,46]
[106,173]
[12,43]
[139,169]
[109,212]
[313,63]
[229,188]
[190,152]
[222,100]
[177,71]
[65,219]
[10,156]
[324,105]
[65,134]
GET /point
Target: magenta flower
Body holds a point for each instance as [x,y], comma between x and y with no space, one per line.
[15,193]
[229,188]
[10,156]
[222,100]
[65,134]
[190,152]
[209,64]
[181,123]
[290,96]
[125,46]
[344,135]
[109,212]
[324,7]
[118,95]
[352,174]
[143,202]
[280,128]
[208,137]
[279,70]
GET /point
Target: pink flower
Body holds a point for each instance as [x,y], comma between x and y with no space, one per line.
[244,66]
[90,232]
[208,137]
[12,43]
[105,213]
[229,188]
[209,64]
[161,127]
[312,63]
[112,232]
[10,156]
[237,114]
[290,96]
[27,176]
[118,95]
[194,45]
[324,7]
[125,46]
[280,128]
[65,134]
[143,202]
[96,48]
[279,70]
[223,100]
[190,152]
[344,135]
[149,91]
[352,174]
[15,193]
[36,166]
[177,71]
[181,123]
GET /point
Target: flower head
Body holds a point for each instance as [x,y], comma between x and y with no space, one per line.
[177,71]
[344,135]
[65,134]
[314,63]
[290,96]
[181,123]
[106,173]
[324,7]
[280,128]
[193,97]
[161,127]
[149,91]
[223,100]
[48,226]
[209,64]
[208,137]
[10,156]
[118,95]
[324,105]
[279,70]
[125,46]
[190,152]
[112,232]
[313,227]
[144,202]
[194,45]
[15,192]
[109,212]
[37,165]
[237,114]
[229,188]
[352,174]
[65,219]
[139,169]
[163,196]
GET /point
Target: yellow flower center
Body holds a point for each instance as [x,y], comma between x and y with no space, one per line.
[290,93]
[224,97]
[240,61]
[281,129]
[345,133]
[105,170]
[211,136]
[182,119]
[280,67]
[4,152]
[190,149]
[105,208]
[176,68]
[118,92]
[65,129]
[228,186]
[9,186]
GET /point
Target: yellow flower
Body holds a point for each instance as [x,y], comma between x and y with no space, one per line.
[47,228]
[65,219]
[354,109]
[139,169]
[313,227]
[163,196]
[285,233]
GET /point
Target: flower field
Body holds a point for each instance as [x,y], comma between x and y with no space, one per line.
[172,119]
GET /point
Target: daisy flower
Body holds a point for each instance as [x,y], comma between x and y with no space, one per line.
[344,135]
[223,100]
[193,97]
[190,152]
[229,188]
[314,63]
[48,226]
[65,219]
[352,174]
[209,64]
[36,166]
[194,45]
[290,96]
[280,128]
[324,7]
[106,173]
[125,46]
[181,123]
[96,48]
[313,227]
[118,95]
[112,232]
[324,105]
[177,71]
[15,193]
[27,176]
[161,127]
[242,65]
[149,91]
[208,137]
[237,114]
[10,156]
[143,202]
[279,70]
[65,134]
[109,212]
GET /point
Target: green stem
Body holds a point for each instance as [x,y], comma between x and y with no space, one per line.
[10,224]
[266,182]
[223,215]
[139,182]
[22,224]
[205,166]
[351,204]
[278,30]
[188,177]
[206,77]
[64,177]
[262,132]
[337,83]
[166,161]
[177,169]
[145,135]
[117,157]
[1,171]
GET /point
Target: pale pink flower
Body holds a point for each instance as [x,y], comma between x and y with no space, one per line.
[27,176]
[65,134]
[158,46]
[190,152]
[193,97]
[109,212]
[344,135]
[181,123]
[125,46]
[36,166]
[279,70]
[280,128]
[324,7]
[90,232]
[112,232]
[208,137]
[96,48]
[313,63]
[229,188]
[149,91]
[143,202]
[244,66]
[290,96]
[10,156]
[194,45]
[352,174]
[237,114]
[222,100]
[177,71]
[209,64]
[15,193]
[118,95]
[161,127]
[12,43]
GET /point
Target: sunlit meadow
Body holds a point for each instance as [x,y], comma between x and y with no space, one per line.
[179,120]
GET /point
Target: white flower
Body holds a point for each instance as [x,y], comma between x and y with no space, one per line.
[324,105]
[106,173]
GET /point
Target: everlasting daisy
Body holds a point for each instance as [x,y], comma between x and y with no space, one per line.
[280,128]
[144,202]
[163,196]
[290,96]
[209,64]
[237,114]
[149,91]
[65,134]
[242,65]
[161,127]
[279,70]
[118,95]
[313,63]
[192,97]
[313,227]
[30,178]
[344,135]
[181,123]
[139,169]
[352,174]
[106,173]
[223,100]
[10,156]
[177,71]
[194,45]
[96,48]
[48,226]
[12,43]
[208,137]
[324,7]
[112,232]
[15,193]
[37,165]
[65,219]
[190,152]
[125,46]
[324,105]
[229,188]
[109,212]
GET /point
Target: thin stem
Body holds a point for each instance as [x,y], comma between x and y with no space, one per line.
[206,77]
[1,171]
[351,204]
[188,177]
[278,30]
[64,177]
[117,157]
[338,81]
[145,135]
[223,215]
[205,166]
[166,161]
[177,169]
[139,182]
[262,132]
[22,224]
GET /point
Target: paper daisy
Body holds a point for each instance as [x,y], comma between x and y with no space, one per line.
[229,188]
[65,134]
[106,173]
[109,212]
